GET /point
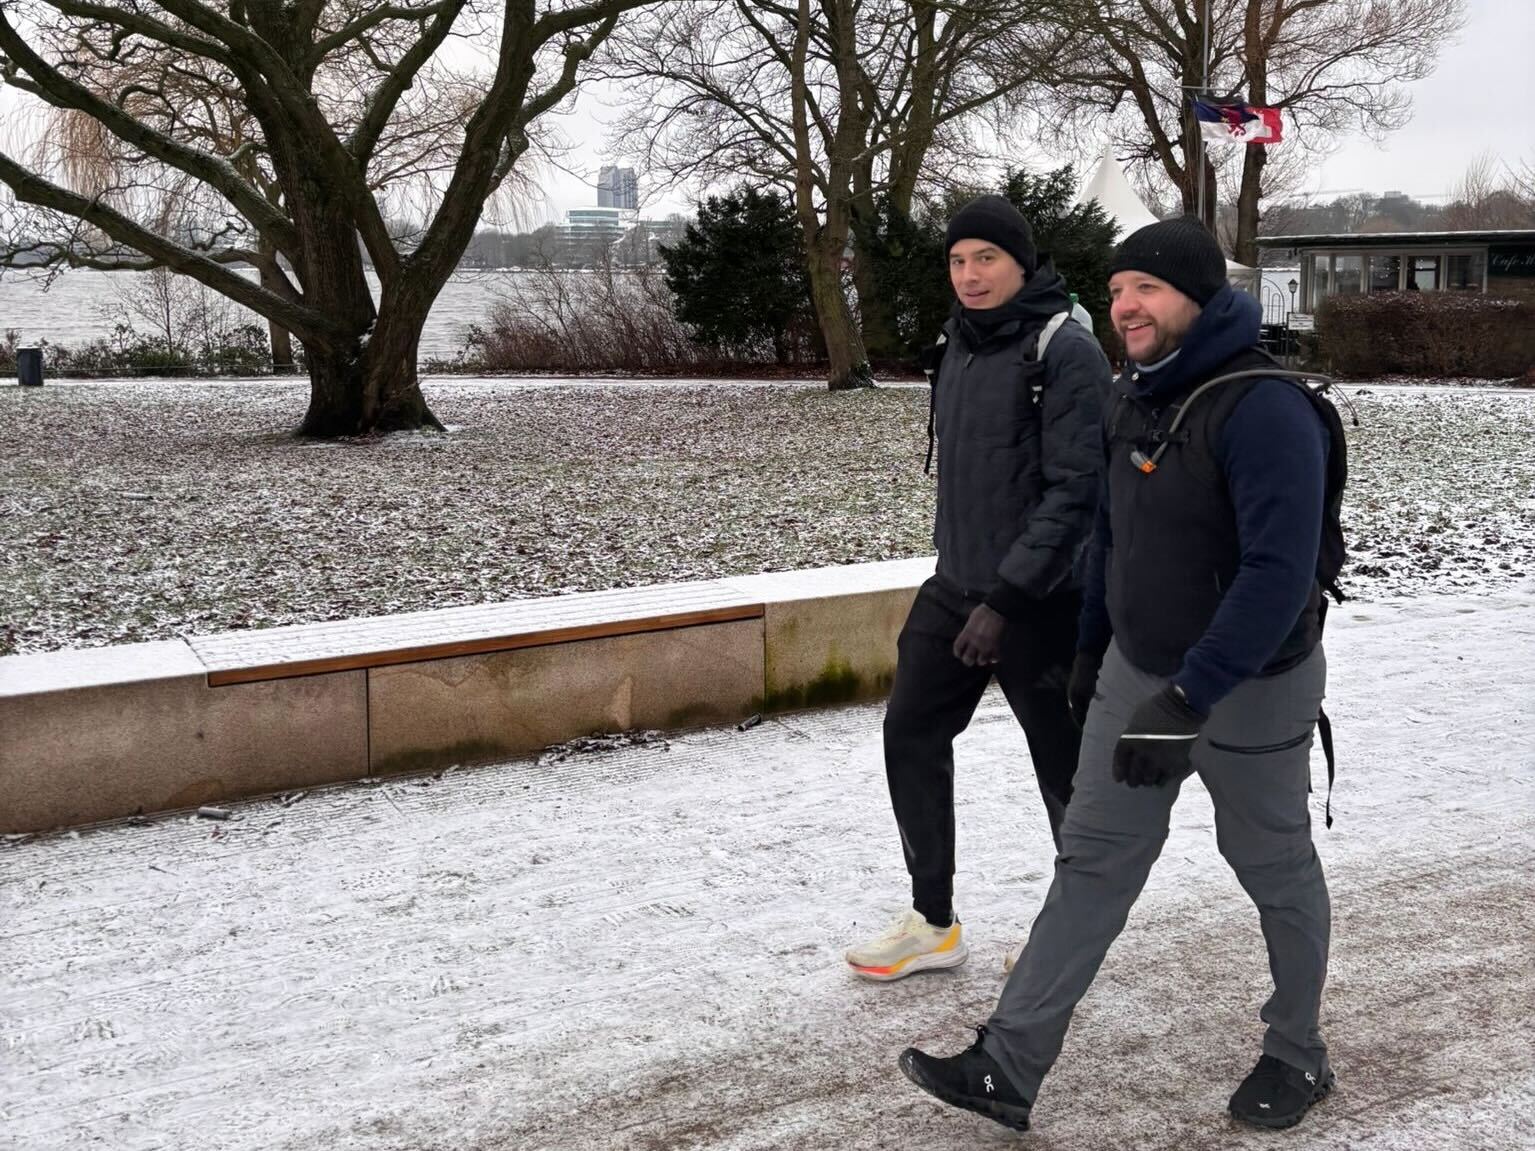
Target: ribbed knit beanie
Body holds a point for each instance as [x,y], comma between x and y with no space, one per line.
[1182,252]
[995,220]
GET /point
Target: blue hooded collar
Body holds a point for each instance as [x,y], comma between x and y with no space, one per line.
[1228,324]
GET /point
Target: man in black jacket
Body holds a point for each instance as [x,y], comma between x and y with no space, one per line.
[1199,651]
[1018,460]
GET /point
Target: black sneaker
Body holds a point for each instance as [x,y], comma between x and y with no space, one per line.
[1277,1094]
[971,1080]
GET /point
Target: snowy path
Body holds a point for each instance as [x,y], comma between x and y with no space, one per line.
[640,949]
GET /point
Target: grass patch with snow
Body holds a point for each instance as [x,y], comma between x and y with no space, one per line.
[133,512]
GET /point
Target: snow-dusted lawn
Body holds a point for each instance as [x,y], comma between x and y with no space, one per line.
[640,948]
[138,511]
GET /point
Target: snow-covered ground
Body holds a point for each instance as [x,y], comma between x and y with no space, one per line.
[639,947]
[138,511]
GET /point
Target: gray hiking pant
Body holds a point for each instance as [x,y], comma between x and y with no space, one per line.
[1254,759]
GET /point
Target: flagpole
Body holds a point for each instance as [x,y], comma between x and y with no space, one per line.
[1204,90]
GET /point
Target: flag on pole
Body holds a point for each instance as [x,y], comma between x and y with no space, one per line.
[1233,122]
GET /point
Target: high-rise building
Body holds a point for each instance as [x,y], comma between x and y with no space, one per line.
[618,188]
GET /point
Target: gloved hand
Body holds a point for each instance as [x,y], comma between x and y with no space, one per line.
[980,643]
[1081,685]
[1155,747]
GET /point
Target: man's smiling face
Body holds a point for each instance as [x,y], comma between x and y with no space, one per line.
[1150,315]
[983,275]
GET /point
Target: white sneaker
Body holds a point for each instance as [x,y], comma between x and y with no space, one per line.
[1010,960]
[909,944]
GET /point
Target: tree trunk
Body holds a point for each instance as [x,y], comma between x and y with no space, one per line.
[825,244]
[282,339]
[1255,53]
[1246,247]
[364,382]
[876,317]
[364,394]
[781,348]
[374,388]
[848,362]
[282,349]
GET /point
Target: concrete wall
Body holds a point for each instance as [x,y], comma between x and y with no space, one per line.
[486,707]
[830,633]
[77,746]
[89,735]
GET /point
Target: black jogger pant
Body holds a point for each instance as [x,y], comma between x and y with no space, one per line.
[933,700]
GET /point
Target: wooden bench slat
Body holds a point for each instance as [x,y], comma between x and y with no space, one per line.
[353,661]
[369,637]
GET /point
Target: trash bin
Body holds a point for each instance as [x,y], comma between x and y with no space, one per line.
[29,367]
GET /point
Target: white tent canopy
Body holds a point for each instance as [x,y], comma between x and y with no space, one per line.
[1111,188]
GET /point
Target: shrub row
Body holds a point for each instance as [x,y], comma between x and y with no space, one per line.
[1432,334]
[240,351]
[599,320]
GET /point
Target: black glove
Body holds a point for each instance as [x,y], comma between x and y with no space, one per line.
[1080,688]
[1155,747]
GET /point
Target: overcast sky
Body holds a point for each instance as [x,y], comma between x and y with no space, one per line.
[1480,97]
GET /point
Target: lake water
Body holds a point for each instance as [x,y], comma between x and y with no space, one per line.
[80,304]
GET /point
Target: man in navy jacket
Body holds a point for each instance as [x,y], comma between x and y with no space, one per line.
[1199,650]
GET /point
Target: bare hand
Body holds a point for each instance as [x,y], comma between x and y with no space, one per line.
[980,643]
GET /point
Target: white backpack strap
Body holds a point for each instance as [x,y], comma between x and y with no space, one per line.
[1053,326]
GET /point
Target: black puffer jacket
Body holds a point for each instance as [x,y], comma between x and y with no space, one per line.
[1019,447]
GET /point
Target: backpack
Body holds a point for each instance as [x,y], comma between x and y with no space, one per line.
[1333,549]
[931,357]
[1317,389]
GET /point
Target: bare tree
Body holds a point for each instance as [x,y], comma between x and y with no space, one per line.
[841,103]
[1331,66]
[1523,178]
[1486,198]
[91,160]
[1356,208]
[277,135]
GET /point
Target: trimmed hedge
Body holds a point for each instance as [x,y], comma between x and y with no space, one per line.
[1432,334]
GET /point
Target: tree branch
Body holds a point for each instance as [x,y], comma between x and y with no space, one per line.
[33,189]
[382,103]
[218,173]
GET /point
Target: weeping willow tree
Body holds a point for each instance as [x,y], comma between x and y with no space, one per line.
[89,159]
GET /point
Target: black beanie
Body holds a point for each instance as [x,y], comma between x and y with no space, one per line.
[1179,251]
[995,220]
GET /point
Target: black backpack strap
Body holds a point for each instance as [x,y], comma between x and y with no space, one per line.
[931,359]
[932,404]
[1324,729]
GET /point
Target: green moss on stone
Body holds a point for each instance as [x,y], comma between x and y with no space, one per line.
[837,683]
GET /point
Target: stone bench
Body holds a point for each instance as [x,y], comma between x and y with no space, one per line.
[95,734]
